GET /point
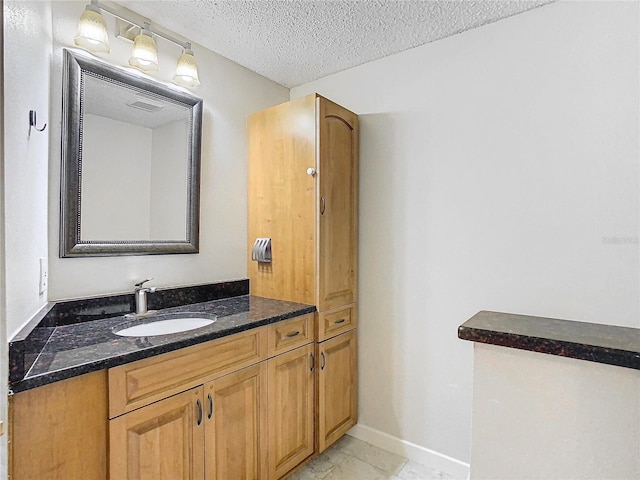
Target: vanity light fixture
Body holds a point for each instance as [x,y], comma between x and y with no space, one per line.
[92,35]
[145,51]
[187,70]
[92,30]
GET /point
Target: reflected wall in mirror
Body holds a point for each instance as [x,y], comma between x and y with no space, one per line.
[130,163]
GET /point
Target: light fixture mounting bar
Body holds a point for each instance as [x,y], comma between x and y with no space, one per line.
[140,21]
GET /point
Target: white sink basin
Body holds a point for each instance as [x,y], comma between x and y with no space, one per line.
[164,327]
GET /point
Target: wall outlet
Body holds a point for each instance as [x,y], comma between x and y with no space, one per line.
[44,275]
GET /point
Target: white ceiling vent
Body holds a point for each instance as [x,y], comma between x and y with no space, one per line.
[146,104]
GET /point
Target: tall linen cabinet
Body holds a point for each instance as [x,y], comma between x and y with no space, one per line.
[303,195]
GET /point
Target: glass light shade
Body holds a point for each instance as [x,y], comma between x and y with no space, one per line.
[145,53]
[92,31]
[187,70]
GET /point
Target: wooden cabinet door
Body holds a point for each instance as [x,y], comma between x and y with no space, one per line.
[291,404]
[236,425]
[337,388]
[162,441]
[281,199]
[338,206]
[60,431]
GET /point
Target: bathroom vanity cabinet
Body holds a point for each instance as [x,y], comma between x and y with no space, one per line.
[303,195]
[240,406]
[186,434]
[220,426]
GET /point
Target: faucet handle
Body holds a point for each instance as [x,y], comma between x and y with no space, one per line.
[139,284]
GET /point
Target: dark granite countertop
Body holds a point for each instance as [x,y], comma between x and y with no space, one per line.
[74,349]
[594,342]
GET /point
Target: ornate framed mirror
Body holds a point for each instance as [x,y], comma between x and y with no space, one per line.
[130,180]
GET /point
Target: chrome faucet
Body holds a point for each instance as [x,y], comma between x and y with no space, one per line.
[140,295]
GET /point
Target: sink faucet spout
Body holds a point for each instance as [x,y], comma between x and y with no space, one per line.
[140,294]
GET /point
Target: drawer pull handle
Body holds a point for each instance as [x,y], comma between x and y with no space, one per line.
[292,334]
[210,406]
[323,205]
[342,320]
[324,361]
[199,405]
[313,361]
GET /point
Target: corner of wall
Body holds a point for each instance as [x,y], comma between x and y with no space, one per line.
[425,456]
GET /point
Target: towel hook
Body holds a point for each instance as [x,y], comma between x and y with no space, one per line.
[32,122]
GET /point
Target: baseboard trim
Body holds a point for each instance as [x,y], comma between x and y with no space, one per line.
[431,458]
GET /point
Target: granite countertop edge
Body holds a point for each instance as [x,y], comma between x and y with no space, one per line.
[181,341]
[619,346]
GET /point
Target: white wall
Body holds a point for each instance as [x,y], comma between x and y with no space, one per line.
[27,54]
[137,189]
[230,93]
[499,171]
[169,191]
[542,416]
[116,182]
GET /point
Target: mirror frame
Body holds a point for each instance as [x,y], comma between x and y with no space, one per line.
[75,68]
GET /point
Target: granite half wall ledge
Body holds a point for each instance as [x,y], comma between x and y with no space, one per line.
[594,342]
[27,344]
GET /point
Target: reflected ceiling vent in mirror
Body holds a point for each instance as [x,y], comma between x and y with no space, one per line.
[92,35]
[146,104]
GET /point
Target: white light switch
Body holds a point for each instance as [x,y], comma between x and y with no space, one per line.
[44,275]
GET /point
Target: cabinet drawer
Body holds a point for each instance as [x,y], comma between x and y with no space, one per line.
[336,321]
[140,383]
[290,334]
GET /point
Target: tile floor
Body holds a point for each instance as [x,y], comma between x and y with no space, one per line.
[353,459]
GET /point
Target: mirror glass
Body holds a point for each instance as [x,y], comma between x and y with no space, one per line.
[131,163]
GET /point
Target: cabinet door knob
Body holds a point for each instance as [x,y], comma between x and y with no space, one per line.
[199,405]
[311,171]
[210,414]
[324,361]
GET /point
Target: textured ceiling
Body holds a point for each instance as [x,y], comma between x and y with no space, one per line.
[296,41]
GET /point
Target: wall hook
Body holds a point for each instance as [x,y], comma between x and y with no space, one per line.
[32,122]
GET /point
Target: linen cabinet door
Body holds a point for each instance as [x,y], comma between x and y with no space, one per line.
[338,208]
[282,199]
[337,388]
[236,425]
[162,441]
[291,410]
